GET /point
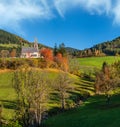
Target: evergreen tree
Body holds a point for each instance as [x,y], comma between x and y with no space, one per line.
[55,51]
[62,49]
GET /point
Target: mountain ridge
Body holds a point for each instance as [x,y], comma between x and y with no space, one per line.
[15,41]
[9,41]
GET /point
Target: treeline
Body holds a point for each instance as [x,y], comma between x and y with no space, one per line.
[91,52]
[109,48]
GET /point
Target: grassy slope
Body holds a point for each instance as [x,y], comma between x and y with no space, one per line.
[93,113]
[8,96]
[8,45]
[91,63]
[85,116]
[97,61]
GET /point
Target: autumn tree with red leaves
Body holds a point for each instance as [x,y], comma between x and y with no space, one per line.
[61,61]
[47,54]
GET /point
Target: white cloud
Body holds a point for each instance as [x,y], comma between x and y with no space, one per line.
[100,7]
[116,12]
[13,12]
[110,8]
[92,6]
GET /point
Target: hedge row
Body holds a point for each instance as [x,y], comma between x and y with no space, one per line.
[14,63]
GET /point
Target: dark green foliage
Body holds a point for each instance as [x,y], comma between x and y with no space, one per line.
[55,50]
[109,47]
[9,41]
[65,50]
[8,38]
[72,52]
[62,49]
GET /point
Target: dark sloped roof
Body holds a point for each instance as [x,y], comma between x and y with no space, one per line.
[29,50]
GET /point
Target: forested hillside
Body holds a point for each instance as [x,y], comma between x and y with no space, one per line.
[109,48]
[10,42]
[8,38]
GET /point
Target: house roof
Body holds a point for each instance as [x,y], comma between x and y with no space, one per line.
[29,50]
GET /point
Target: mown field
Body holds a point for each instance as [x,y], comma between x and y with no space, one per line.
[93,63]
[92,113]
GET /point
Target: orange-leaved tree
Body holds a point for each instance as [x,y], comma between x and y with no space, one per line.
[61,61]
[47,53]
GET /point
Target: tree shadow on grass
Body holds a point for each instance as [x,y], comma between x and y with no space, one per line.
[54,96]
[99,102]
[9,104]
[85,87]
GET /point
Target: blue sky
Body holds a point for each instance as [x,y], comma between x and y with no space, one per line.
[78,23]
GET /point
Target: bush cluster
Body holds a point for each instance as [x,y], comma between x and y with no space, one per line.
[14,63]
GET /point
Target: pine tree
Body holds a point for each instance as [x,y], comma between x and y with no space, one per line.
[55,51]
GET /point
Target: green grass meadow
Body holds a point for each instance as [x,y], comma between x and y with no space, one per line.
[93,63]
[92,113]
[8,95]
